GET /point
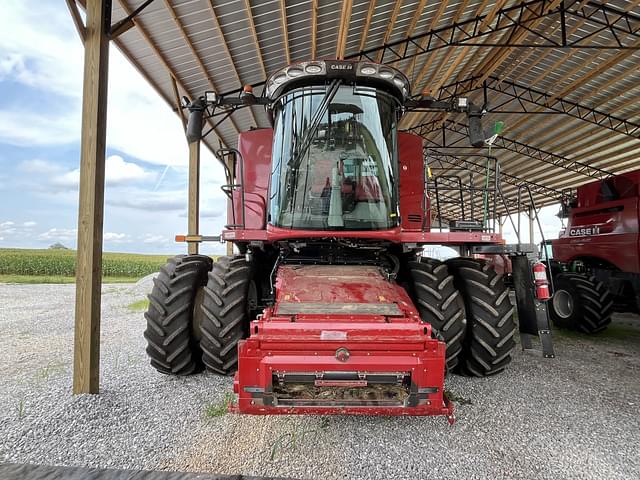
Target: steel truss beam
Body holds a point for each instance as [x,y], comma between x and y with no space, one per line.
[508,144]
[521,97]
[476,167]
[607,21]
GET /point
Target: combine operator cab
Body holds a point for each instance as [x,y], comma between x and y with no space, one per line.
[335,163]
[329,305]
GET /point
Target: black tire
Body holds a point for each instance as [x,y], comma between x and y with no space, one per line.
[580,302]
[491,325]
[439,304]
[171,346]
[225,309]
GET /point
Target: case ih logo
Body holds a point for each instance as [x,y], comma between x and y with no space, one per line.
[341,66]
[584,231]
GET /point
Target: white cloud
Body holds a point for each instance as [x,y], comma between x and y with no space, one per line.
[12,229]
[215,212]
[39,167]
[7,228]
[59,234]
[113,237]
[42,128]
[39,48]
[67,180]
[149,201]
[117,172]
[10,63]
[156,239]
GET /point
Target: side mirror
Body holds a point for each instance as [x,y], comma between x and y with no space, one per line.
[194,125]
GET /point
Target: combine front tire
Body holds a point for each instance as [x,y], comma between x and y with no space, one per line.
[580,302]
[440,304]
[225,313]
[171,346]
[491,326]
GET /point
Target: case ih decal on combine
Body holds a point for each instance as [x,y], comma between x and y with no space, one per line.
[329,306]
[584,231]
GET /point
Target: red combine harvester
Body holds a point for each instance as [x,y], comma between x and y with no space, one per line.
[596,260]
[329,307]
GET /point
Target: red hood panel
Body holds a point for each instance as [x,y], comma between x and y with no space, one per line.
[338,284]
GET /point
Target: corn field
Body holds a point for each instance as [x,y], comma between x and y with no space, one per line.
[63,263]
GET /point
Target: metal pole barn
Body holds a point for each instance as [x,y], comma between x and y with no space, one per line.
[86,365]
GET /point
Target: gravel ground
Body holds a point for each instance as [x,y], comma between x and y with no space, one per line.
[575,416]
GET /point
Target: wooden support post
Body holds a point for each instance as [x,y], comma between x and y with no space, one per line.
[194,195]
[86,364]
[500,225]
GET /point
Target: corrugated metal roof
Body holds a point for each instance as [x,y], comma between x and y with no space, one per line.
[224,44]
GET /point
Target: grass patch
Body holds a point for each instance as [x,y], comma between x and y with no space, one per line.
[289,442]
[51,369]
[459,399]
[139,306]
[21,408]
[213,410]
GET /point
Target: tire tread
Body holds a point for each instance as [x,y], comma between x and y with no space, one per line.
[170,346]
[491,325]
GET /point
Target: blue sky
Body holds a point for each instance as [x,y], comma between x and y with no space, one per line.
[40,103]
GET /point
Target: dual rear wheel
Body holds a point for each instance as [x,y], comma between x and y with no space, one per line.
[198,310]
[467,304]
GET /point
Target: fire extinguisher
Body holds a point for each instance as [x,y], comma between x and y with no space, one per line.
[541,281]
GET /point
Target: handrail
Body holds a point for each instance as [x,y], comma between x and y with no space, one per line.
[231,185]
[468,195]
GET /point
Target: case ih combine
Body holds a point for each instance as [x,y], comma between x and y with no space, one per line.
[596,260]
[329,306]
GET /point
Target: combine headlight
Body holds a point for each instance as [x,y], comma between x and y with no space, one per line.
[295,72]
[368,70]
[386,74]
[313,68]
[279,78]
